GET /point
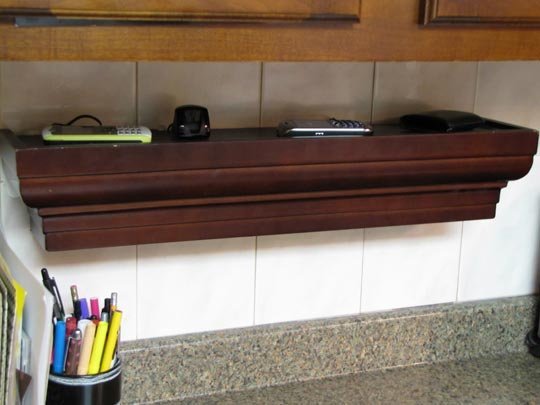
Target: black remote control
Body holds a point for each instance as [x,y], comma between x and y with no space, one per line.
[323,128]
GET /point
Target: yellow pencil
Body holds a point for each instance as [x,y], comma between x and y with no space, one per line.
[97,348]
[112,339]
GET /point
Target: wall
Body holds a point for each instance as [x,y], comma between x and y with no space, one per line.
[176,288]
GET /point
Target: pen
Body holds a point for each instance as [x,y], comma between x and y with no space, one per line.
[71,325]
[58,309]
[74,293]
[77,312]
[111,342]
[85,314]
[97,348]
[76,303]
[73,352]
[114,301]
[86,348]
[59,347]
[94,307]
[58,297]
[82,324]
[106,308]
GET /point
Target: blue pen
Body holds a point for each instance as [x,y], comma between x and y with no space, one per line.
[59,347]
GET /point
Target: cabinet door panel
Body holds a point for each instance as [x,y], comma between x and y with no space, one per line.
[187,10]
[500,12]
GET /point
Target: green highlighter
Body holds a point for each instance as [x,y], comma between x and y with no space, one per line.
[70,133]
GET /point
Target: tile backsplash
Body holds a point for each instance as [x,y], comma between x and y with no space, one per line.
[230,91]
[217,284]
[35,94]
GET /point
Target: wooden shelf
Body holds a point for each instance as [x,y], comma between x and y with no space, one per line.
[248,182]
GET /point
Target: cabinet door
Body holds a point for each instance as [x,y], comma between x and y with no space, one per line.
[499,12]
[187,10]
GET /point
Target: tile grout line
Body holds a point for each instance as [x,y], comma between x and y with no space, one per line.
[137,292]
[459,260]
[475,101]
[362,270]
[255,283]
[136,85]
[460,257]
[373,78]
[261,78]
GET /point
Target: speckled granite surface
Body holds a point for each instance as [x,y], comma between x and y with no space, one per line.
[210,363]
[509,379]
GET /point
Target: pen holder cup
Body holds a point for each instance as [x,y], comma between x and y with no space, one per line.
[99,389]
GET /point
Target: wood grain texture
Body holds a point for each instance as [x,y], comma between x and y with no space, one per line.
[501,12]
[261,226]
[259,147]
[187,10]
[389,30]
[117,188]
[269,209]
[250,182]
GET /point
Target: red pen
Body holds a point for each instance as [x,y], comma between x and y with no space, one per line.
[71,325]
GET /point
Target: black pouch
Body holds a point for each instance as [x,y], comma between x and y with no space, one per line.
[441,121]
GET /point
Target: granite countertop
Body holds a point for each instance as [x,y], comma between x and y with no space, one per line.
[508,379]
[447,353]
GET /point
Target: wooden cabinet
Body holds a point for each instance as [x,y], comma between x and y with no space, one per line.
[500,12]
[279,30]
[187,10]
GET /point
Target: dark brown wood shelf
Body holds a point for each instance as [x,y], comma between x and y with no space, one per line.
[245,182]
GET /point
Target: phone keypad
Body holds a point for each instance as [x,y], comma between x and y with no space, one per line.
[345,123]
[128,130]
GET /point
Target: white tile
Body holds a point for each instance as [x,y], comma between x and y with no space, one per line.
[500,256]
[316,90]
[195,286]
[230,91]
[36,94]
[406,266]
[408,87]
[309,275]
[97,273]
[510,92]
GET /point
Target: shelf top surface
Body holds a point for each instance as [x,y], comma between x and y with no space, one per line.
[261,147]
[160,137]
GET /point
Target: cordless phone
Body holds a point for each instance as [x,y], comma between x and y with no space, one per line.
[322,128]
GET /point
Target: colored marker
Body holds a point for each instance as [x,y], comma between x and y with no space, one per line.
[59,347]
[85,313]
[97,348]
[112,340]
[94,307]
